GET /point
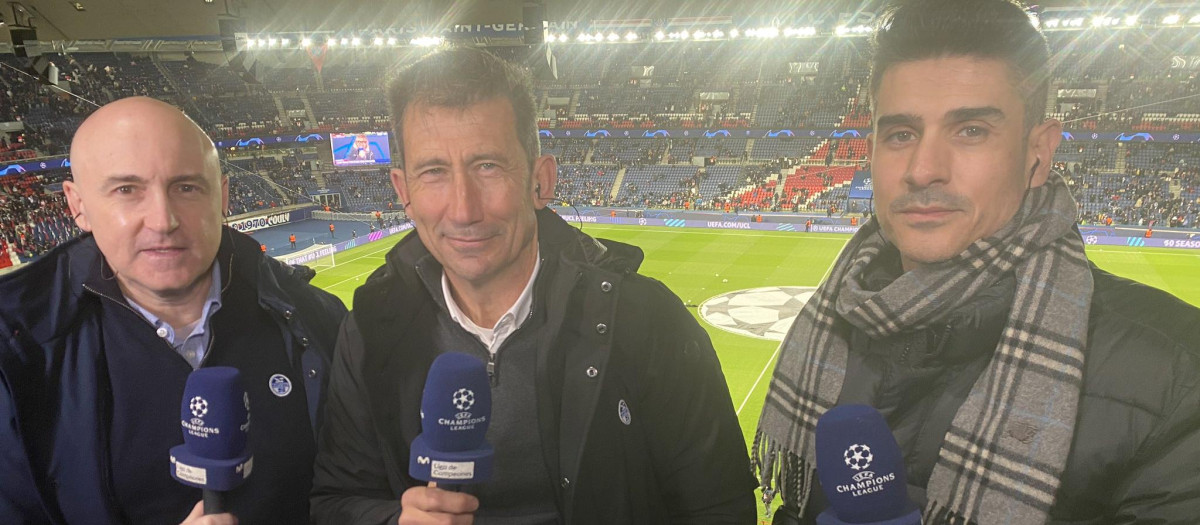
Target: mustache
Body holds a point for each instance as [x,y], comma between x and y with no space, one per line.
[929,198]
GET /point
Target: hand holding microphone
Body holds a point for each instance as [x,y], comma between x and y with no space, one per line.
[456,408]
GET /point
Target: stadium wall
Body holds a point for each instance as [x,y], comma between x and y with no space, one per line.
[305,258]
[267,218]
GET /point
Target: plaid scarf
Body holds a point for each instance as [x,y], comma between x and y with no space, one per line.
[1003,457]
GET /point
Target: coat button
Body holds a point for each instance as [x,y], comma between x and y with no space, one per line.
[592,372]
[605,287]
[565,483]
[303,341]
[312,372]
[287,314]
[161,332]
[601,328]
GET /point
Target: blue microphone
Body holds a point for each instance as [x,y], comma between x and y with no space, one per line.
[215,416]
[862,470]
[456,409]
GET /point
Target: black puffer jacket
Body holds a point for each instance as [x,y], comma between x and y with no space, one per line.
[1135,457]
[682,458]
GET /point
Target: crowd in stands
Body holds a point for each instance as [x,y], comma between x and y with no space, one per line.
[33,218]
[1116,82]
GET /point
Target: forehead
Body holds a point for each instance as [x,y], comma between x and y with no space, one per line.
[430,125]
[930,87]
[150,151]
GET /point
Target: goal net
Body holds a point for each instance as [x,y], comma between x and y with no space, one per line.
[316,257]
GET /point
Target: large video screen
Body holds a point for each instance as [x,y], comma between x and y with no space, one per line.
[360,149]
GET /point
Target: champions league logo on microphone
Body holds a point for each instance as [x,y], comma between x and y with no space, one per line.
[859,457]
[463,399]
[199,406]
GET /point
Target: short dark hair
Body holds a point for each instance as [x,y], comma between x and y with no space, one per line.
[457,77]
[911,30]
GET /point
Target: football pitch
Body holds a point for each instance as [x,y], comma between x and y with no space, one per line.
[700,264]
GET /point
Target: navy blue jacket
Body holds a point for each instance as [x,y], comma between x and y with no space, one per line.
[55,395]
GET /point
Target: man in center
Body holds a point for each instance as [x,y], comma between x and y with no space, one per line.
[609,404]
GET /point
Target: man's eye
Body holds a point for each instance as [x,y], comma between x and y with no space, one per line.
[901,136]
[125,190]
[973,131]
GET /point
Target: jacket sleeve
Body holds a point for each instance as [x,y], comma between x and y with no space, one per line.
[350,482]
[1163,485]
[19,501]
[696,443]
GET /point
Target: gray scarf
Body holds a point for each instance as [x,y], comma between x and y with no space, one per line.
[1003,457]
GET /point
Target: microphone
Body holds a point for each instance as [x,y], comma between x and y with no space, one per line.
[215,416]
[861,470]
[456,408]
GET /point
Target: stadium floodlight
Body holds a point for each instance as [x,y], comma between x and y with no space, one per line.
[734,32]
[1075,22]
[769,32]
[598,37]
[1052,23]
[262,43]
[345,41]
[378,41]
[584,37]
[563,38]
[1131,20]
[284,42]
[271,42]
[391,41]
[305,42]
[356,42]
[1171,20]
[659,35]
[631,36]
[1194,20]
[612,37]
[249,43]
[718,34]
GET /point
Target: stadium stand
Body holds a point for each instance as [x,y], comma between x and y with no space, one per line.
[802,84]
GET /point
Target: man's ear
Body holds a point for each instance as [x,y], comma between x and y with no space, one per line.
[400,185]
[1043,141]
[870,146]
[75,202]
[545,179]
[225,195]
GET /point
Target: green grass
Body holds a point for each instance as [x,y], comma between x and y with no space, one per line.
[698,264]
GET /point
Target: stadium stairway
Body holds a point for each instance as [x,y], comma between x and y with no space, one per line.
[283,116]
[616,187]
[311,116]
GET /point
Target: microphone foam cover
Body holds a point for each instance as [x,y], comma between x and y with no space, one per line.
[215,418]
[860,465]
[456,406]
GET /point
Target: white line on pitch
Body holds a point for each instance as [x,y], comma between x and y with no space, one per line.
[326,287]
[760,376]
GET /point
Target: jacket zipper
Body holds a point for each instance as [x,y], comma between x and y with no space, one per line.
[494,357]
[491,368]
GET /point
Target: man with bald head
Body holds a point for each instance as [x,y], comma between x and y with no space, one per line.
[98,337]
